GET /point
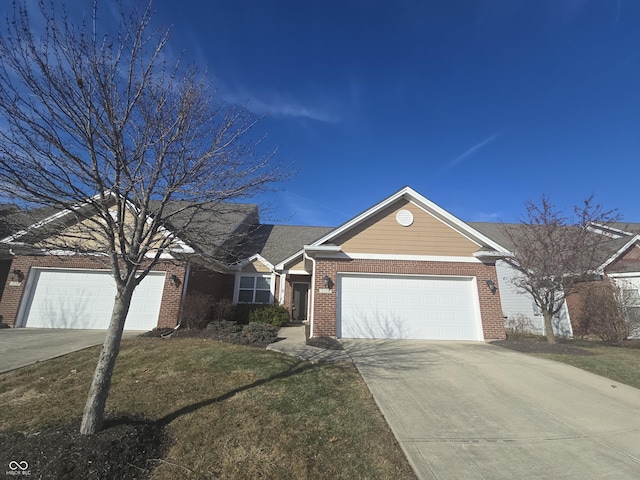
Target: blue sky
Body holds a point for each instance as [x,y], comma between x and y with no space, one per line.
[479,105]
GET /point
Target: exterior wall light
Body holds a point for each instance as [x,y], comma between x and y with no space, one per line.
[17,275]
[327,281]
[491,285]
[173,278]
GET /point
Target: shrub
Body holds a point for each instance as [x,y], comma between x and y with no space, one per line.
[222,310]
[243,310]
[256,334]
[518,326]
[196,310]
[223,327]
[276,315]
[606,313]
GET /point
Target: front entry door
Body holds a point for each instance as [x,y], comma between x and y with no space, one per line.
[300,295]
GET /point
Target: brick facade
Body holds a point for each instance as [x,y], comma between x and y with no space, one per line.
[288,290]
[12,294]
[325,308]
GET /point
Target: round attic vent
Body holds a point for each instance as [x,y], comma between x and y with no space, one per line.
[404,218]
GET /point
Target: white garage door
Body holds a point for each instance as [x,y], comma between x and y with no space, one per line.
[84,299]
[419,307]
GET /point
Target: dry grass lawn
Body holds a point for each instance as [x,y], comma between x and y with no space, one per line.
[621,364]
[232,412]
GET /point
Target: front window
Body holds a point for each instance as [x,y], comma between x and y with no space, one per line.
[254,289]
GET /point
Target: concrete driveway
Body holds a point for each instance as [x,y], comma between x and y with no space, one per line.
[476,411]
[20,347]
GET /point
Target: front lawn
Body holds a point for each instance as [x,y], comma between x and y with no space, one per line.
[230,411]
[618,363]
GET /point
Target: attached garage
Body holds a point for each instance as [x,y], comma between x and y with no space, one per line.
[61,298]
[408,307]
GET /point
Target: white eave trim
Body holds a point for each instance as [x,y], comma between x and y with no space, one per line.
[179,245]
[491,254]
[616,255]
[243,263]
[607,231]
[322,250]
[624,275]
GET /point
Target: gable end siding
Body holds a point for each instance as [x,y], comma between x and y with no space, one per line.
[427,235]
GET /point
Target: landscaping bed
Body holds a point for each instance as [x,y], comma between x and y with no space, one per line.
[253,335]
[125,448]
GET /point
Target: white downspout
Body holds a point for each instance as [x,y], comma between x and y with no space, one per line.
[313,293]
[283,278]
[184,293]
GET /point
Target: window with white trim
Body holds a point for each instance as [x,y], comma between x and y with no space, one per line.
[254,289]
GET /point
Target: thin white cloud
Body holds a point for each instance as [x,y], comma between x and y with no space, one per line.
[278,105]
[472,150]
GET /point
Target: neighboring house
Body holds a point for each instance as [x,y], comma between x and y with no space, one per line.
[518,307]
[621,261]
[48,288]
[404,268]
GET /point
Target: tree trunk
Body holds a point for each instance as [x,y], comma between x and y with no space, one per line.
[548,326]
[93,417]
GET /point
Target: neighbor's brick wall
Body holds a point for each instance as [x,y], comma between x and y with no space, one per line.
[12,295]
[324,320]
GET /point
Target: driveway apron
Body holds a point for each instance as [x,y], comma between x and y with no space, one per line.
[20,347]
[476,411]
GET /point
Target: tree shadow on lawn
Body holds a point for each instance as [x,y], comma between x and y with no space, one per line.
[296,368]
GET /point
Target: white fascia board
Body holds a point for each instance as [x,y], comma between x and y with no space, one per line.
[427,205]
[51,218]
[182,247]
[624,275]
[299,253]
[322,250]
[243,263]
[417,258]
[616,255]
[607,231]
[492,254]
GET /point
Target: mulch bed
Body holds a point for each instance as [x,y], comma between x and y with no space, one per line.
[253,335]
[529,346]
[126,448]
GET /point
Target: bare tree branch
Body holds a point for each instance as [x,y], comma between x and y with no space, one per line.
[555,252]
[128,141]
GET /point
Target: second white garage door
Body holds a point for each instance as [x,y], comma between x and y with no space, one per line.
[84,299]
[398,306]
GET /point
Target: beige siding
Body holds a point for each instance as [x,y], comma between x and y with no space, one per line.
[256,267]
[88,235]
[382,234]
[300,265]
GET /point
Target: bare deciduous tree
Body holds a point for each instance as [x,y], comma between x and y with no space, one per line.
[106,126]
[556,252]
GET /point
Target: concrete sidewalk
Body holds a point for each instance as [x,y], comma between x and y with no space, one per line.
[291,341]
